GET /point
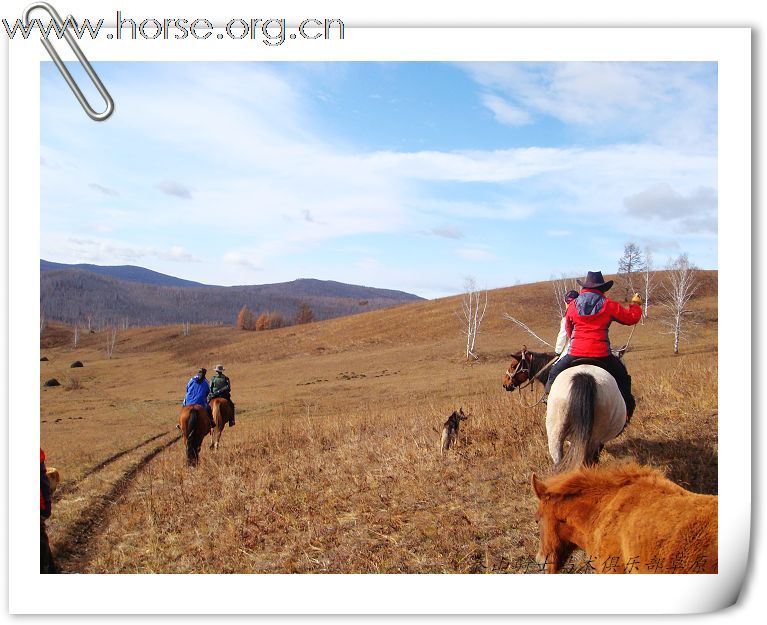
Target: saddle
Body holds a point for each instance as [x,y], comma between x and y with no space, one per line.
[588,361]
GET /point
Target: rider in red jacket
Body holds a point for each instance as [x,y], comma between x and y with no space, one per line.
[587,322]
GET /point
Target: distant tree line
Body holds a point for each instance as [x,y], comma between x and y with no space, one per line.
[83,298]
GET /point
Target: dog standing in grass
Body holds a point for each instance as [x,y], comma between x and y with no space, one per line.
[450,430]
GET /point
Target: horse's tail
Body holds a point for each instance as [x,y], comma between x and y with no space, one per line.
[191,436]
[583,393]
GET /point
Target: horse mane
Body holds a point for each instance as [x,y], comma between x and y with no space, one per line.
[537,362]
[540,359]
[607,477]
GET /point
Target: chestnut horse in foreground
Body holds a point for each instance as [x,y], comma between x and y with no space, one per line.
[222,414]
[628,519]
[194,425]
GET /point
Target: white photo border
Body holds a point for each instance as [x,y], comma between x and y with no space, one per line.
[397,594]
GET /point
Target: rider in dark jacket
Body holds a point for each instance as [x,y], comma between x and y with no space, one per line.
[221,387]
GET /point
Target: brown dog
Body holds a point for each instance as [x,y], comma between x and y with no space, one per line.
[450,430]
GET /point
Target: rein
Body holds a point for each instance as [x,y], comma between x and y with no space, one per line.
[535,377]
[529,380]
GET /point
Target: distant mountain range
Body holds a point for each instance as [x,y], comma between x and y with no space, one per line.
[129,273]
[133,295]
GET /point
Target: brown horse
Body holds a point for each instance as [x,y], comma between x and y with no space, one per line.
[194,425]
[628,518]
[526,365]
[222,414]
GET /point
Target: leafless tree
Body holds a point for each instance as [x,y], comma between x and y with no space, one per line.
[185,329]
[676,293]
[648,280]
[76,338]
[42,323]
[527,329]
[630,264]
[561,286]
[111,340]
[473,308]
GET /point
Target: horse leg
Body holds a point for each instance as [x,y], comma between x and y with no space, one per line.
[215,434]
[556,443]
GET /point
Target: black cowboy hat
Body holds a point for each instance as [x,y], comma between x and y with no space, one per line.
[594,280]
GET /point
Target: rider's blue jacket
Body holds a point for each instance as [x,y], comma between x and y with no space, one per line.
[197,392]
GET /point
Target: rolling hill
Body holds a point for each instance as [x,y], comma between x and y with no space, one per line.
[129,273]
[129,295]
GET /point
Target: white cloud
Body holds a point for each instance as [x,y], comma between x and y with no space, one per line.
[664,202]
[237,258]
[181,254]
[505,112]
[105,190]
[667,101]
[447,232]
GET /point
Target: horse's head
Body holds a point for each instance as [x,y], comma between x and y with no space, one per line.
[553,549]
[519,370]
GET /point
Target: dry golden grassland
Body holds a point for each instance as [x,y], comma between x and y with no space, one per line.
[334,464]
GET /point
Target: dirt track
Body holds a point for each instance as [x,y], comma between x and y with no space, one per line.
[85,515]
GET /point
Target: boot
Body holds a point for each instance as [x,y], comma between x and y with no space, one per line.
[210,416]
[231,421]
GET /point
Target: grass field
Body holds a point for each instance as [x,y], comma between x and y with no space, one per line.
[334,464]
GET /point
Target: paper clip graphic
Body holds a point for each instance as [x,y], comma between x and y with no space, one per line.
[98,117]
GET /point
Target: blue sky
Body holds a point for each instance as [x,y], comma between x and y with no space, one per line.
[409,176]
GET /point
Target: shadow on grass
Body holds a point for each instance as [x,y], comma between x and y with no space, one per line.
[690,463]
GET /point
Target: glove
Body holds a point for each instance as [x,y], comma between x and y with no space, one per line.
[636,299]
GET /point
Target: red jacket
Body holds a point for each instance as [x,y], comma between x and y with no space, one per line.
[588,319]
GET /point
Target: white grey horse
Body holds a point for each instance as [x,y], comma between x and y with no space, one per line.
[586,408]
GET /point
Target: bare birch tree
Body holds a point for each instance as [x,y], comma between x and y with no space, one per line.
[76,338]
[111,340]
[473,308]
[185,329]
[561,286]
[648,281]
[681,284]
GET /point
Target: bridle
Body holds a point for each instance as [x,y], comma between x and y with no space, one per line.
[523,367]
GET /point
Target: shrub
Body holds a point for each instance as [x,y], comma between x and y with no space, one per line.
[245,319]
